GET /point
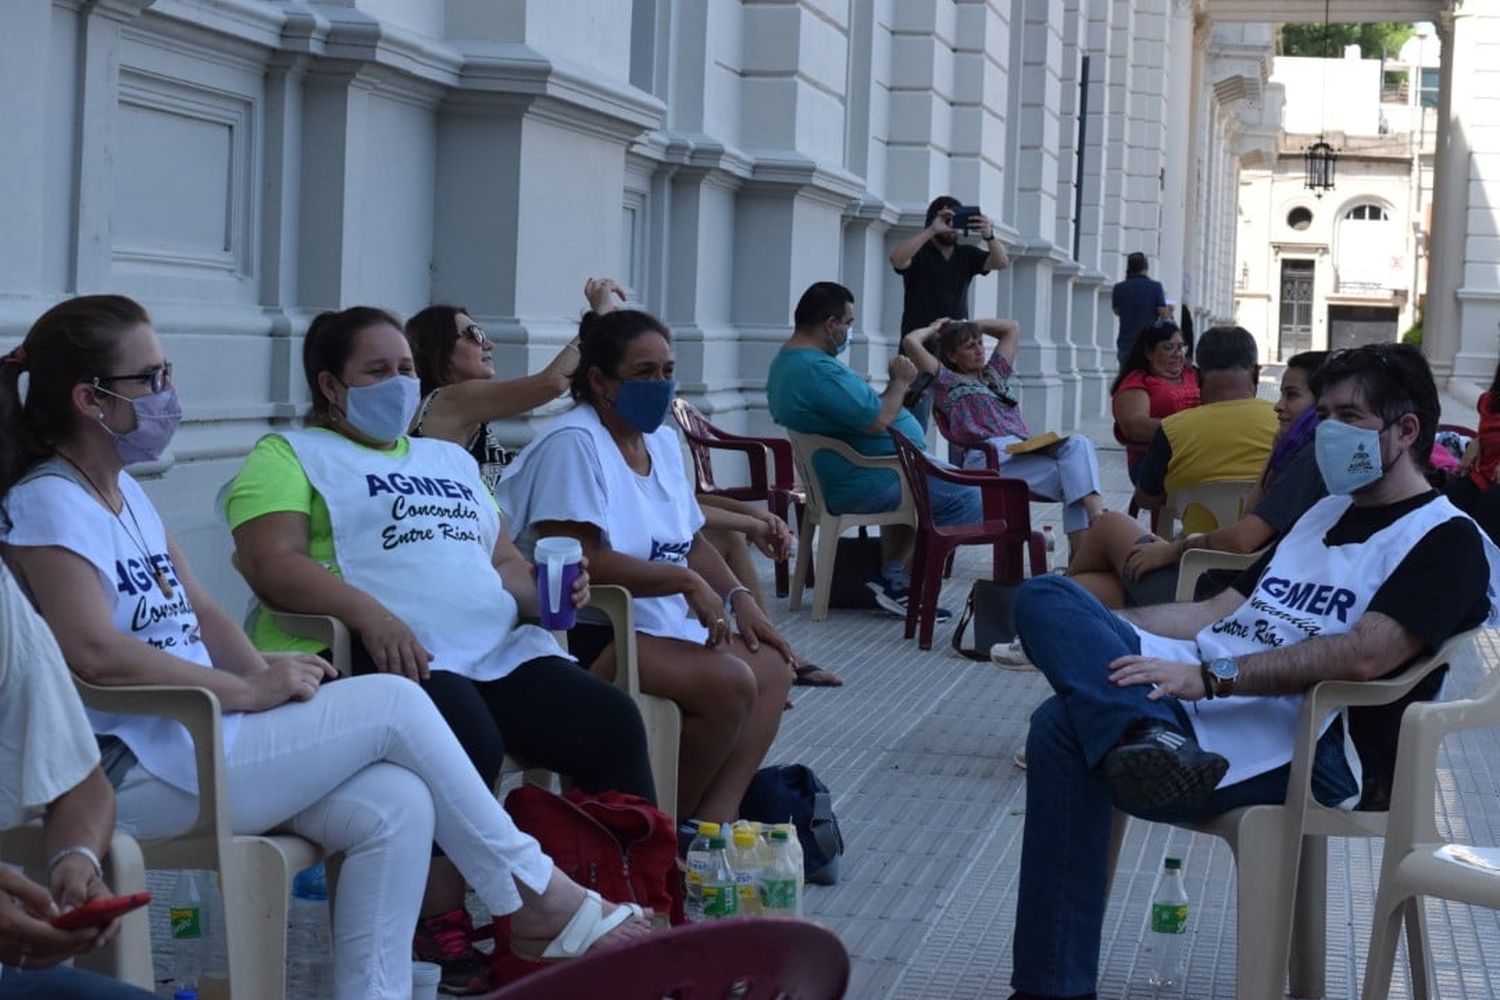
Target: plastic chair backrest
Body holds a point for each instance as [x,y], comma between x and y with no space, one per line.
[1223,499]
[915,466]
[757,959]
[696,428]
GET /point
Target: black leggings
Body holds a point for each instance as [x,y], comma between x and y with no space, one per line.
[549,712]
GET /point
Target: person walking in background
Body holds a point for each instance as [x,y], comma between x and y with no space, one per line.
[936,269]
[1138,301]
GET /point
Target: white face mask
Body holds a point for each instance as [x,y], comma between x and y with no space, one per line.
[1348,456]
[383,411]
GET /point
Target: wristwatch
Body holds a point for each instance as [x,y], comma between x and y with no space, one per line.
[1219,675]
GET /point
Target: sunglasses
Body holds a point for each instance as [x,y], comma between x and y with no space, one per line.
[475,333]
[157,378]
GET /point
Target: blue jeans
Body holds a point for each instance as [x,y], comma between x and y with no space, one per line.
[951,502]
[63,983]
[1065,845]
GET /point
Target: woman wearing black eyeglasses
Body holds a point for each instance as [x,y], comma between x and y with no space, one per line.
[1155,381]
[455,362]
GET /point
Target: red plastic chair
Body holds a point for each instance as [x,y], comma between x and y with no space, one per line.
[1134,510]
[1006,526]
[772,475]
[753,959]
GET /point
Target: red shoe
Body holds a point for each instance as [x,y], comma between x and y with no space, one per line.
[447,939]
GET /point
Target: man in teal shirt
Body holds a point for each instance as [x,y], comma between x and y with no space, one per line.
[812,392]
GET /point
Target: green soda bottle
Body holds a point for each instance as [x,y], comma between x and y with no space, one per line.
[721,897]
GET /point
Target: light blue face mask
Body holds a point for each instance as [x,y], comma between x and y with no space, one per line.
[844,344]
[1348,456]
[383,411]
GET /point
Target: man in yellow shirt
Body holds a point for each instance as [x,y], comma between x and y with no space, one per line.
[1228,437]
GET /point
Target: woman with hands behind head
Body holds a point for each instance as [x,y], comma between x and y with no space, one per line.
[609,474]
[366,766]
[49,765]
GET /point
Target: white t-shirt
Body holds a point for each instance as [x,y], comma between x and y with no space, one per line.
[574,471]
[52,507]
[46,745]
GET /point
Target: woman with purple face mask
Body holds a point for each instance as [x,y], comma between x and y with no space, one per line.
[366,766]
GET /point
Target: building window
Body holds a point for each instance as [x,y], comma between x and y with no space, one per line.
[1428,97]
[1299,218]
[1370,213]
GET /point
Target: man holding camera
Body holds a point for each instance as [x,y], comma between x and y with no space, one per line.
[936,270]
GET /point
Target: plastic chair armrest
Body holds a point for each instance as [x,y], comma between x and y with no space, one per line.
[753,449]
[615,602]
[197,710]
[332,633]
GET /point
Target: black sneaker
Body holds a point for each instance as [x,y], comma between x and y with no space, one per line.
[1156,766]
[893,598]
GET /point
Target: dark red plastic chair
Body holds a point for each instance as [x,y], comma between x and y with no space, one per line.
[772,474]
[752,959]
[1006,527]
[1134,510]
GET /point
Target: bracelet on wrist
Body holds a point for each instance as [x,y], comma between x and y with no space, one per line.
[729,597]
[86,853]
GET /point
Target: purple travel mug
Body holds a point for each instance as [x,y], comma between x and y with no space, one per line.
[558,563]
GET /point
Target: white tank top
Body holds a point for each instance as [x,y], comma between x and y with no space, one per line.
[417,533]
[127,562]
[1308,589]
[652,517]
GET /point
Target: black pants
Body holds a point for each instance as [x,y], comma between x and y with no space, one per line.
[549,712]
[1482,505]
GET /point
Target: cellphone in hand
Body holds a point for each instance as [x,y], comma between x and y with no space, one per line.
[98,912]
[963,216]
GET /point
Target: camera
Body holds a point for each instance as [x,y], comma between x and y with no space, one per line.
[963,216]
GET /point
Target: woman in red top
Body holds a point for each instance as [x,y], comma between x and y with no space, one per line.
[1474,490]
[1154,382]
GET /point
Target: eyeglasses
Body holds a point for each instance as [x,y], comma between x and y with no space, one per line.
[476,334]
[1171,348]
[157,378]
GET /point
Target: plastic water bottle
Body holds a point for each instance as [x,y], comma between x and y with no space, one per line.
[309,938]
[794,847]
[1049,542]
[697,864]
[721,896]
[188,945]
[781,879]
[1166,937]
[745,859]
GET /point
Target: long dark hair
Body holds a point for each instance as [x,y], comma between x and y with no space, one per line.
[327,346]
[74,341]
[1495,392]
[602,341]
[432,333]
[1139,359]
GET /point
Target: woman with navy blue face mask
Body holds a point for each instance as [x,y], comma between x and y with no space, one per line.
[610,475]
[400,538]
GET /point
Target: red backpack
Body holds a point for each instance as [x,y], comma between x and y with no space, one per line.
[619,845]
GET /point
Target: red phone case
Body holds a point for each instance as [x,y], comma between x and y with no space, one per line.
[98,912]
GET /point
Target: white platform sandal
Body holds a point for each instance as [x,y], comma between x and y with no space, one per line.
[588,924]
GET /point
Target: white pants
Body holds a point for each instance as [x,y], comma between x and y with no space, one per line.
[367,767]
[1068,472]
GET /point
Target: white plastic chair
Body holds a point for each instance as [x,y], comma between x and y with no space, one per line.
[255,872]
[827,526]
[1195,562]
[1282,849]
[126,958]
[1418,861]
[1224,500]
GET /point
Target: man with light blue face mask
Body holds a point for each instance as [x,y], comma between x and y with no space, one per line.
[811,391]
[1180,712]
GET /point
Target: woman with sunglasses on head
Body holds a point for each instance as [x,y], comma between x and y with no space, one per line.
[1155,381]
[454,358]
[399,538]
[609,474]
[365,766]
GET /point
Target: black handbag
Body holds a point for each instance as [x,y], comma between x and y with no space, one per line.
[857,563]
[988,618]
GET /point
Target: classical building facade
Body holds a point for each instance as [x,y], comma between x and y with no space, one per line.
[240,165]
[1321,269]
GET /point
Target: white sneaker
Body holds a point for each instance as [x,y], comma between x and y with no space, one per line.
[1010,656]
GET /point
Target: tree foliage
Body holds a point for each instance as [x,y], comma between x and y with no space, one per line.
[1373,39]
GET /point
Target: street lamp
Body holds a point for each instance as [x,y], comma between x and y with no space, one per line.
[1318,162]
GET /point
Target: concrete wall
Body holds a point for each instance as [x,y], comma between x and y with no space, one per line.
[239,165]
